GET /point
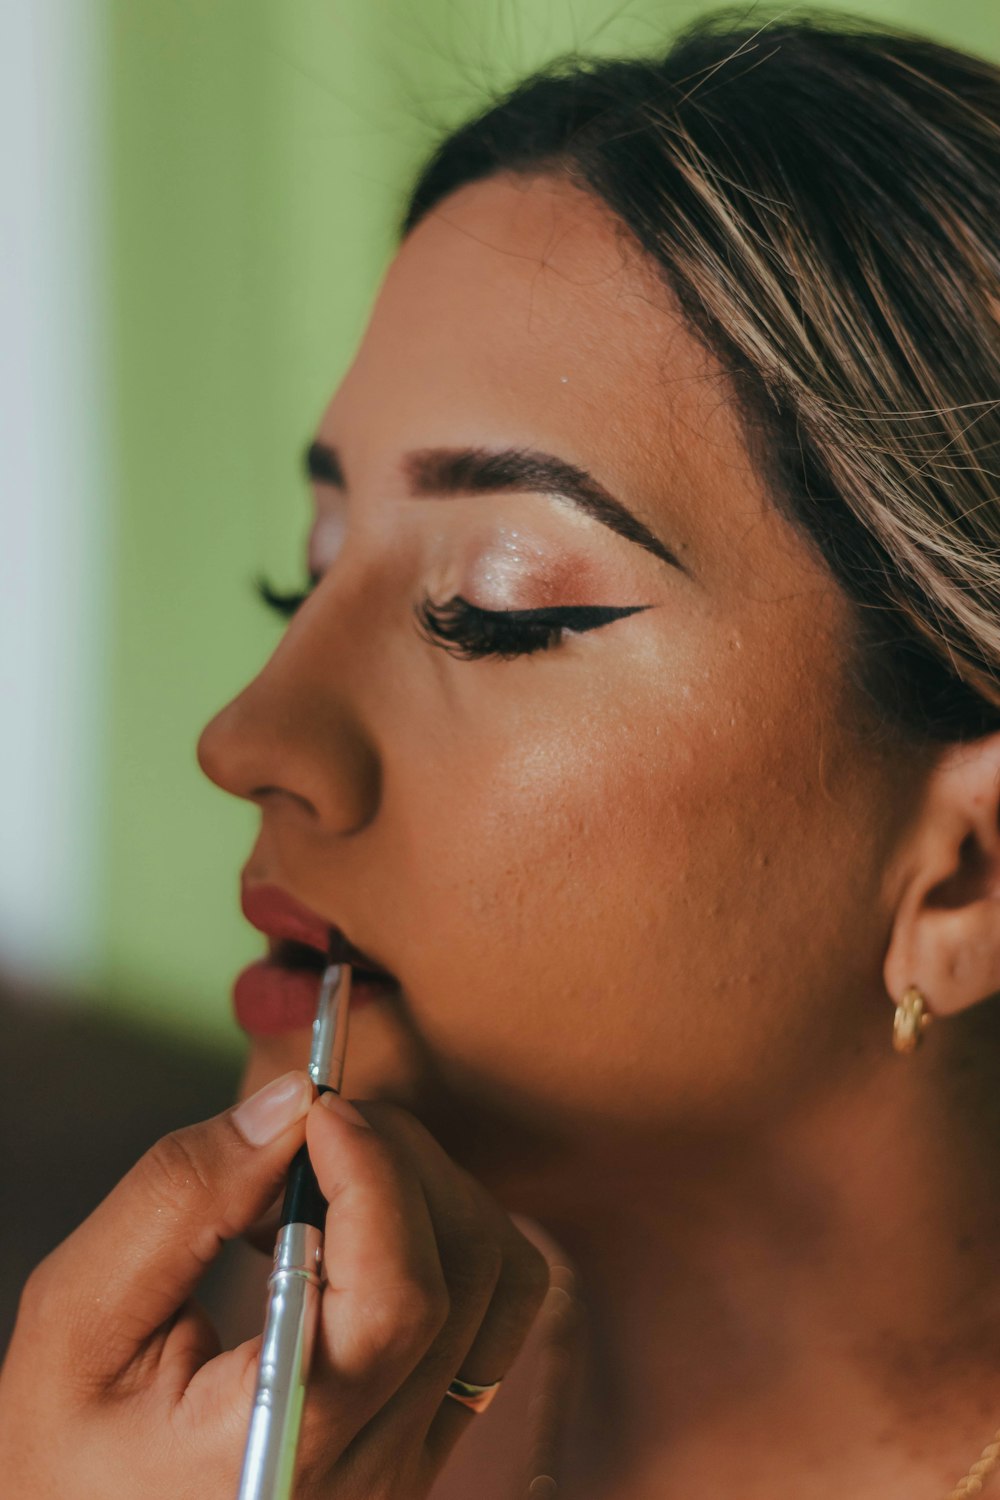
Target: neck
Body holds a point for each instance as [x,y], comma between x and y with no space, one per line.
[819,1294]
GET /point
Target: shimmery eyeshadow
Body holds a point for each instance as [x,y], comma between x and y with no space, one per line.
[517,570]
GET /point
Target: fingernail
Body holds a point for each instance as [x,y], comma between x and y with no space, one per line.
[338,1106]
[266,1114]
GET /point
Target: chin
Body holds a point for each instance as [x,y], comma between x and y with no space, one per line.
[514,1157]
[269,1057]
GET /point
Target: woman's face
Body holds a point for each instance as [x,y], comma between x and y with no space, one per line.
[630,884]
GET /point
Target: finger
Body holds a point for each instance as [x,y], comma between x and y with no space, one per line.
[261,1234]
[550,1336]
[112,1285]
[385,1299]
[497,1280]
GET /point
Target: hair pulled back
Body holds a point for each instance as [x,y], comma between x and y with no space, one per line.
[822,199]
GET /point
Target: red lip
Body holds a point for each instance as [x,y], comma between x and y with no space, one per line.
[271,997]
[278,915]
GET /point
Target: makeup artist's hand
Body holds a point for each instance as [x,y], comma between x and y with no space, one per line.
[114,1386]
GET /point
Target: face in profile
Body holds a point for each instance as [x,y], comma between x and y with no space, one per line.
[625,849]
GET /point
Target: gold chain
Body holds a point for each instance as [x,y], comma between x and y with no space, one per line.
[561,1314]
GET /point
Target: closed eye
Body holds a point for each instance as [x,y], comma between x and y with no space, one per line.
[471,633]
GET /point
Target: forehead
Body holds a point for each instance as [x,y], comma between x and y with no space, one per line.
[526,282]
[519,310]
[533,274]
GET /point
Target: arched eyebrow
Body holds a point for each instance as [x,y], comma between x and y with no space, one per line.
[437,473]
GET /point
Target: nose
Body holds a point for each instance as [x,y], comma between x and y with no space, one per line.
[292,737]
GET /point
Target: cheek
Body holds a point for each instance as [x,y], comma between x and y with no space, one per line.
[635,904]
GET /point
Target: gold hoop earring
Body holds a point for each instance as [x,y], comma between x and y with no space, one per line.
[911,1020]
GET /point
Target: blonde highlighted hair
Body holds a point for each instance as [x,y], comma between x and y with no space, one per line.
[822,197]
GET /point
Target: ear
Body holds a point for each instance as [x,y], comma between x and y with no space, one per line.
[946,931]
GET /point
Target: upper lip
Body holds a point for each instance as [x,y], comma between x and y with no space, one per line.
[279,916]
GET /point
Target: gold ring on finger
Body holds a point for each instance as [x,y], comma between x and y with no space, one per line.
[476,1397]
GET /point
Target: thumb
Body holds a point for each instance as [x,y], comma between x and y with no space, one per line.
[138,1257]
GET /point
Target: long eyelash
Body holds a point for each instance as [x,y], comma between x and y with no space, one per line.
[470,633]
[284,604]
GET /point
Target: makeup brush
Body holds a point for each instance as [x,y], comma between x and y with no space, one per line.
[296,1283]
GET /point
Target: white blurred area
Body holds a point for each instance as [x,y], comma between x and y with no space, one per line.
[54,490]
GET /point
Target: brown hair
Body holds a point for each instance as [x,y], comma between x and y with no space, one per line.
[823,200]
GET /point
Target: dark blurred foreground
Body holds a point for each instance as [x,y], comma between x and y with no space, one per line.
[81,1098]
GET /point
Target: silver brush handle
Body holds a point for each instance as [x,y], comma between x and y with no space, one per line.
[294,1291]
[296,1283]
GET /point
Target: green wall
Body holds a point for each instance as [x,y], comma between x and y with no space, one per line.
[259,153]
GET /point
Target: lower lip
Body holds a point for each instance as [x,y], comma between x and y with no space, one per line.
[270,1000]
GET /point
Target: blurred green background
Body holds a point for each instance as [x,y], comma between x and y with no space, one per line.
[252,162]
